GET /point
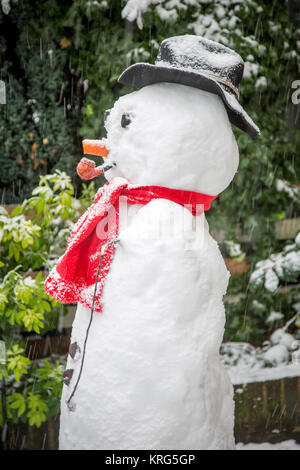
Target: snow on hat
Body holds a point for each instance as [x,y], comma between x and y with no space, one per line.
[201,63]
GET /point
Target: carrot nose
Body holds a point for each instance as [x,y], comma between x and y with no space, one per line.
[94,147]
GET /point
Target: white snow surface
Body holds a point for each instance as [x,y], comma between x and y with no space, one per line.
[171,140]
[247,364]
[284,445]
[134,9]
[152,376]
[243,375]
[186,48]
[167,10]
[281,337]
[276,355]
[274,316]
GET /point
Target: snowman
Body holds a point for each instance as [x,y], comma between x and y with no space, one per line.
[143,370]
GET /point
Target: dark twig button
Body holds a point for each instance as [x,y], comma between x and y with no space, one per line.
[67,375]
[74,351]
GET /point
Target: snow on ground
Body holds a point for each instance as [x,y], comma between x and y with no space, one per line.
[278,359]
[284,445]
[243,375]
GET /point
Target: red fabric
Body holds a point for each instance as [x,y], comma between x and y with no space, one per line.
[73,278]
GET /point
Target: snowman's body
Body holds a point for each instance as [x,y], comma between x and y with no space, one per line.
[152,376]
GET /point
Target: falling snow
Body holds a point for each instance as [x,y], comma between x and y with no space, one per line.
[5,4]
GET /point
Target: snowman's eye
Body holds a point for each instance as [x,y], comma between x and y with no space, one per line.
[125,120]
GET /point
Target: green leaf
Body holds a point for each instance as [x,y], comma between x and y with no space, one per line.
[37,409]
[17,362]
[17,211]
[18,401]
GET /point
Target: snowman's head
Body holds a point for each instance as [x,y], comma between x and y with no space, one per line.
[172,135]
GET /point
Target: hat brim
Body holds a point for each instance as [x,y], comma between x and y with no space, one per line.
[143,74]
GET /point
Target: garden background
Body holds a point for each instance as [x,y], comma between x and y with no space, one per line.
[59,64]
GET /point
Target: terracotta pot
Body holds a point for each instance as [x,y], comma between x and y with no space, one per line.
[237,267]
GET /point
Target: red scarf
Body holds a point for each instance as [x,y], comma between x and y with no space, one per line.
[73,278]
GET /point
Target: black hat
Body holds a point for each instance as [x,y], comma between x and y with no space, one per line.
[201,63]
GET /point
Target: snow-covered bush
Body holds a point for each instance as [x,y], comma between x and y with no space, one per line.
[271,308]
[241,354]
[279,267]
[32,237]
[291,190]
[234,250]
[221,21]
[282,348]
